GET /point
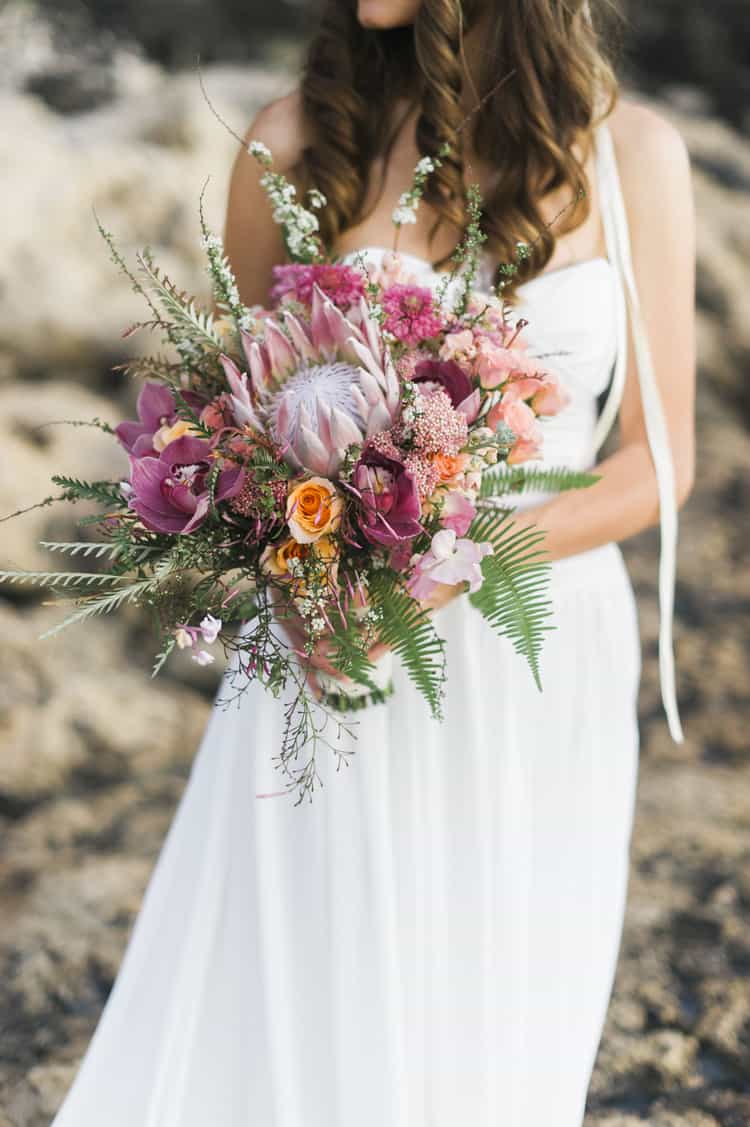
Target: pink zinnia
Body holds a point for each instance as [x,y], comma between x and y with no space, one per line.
[410,314]
[342,284]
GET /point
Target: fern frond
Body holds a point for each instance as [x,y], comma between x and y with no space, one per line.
[514,596]
[98,550]
[162,656]
[188,320]
[347,653]
[520,479]
[411,634]
[59,578]
[106,492]
[102,604]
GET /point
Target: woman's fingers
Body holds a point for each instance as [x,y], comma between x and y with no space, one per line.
[377,651]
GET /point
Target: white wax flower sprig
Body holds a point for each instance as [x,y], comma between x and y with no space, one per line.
[299,224]
[408,202]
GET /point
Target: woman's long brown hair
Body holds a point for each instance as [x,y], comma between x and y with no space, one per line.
[546,81]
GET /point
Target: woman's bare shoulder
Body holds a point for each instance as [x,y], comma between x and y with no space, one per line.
[647,144]
[280,126]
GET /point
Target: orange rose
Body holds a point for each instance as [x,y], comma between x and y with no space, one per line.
[275,559]
[313,509]
[448,465]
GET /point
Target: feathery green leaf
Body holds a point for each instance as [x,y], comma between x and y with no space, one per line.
[411,634]
[514,596]
[520,479]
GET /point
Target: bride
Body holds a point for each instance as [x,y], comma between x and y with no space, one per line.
[431,942]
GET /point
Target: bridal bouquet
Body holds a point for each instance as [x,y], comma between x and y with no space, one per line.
[332,459]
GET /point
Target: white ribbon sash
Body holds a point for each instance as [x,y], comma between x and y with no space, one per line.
[614,218]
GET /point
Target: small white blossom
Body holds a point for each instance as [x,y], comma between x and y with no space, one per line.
[425,166]
[402,215]
[203,657]
[316,198]
[209,628]
[260,151]
[183,638]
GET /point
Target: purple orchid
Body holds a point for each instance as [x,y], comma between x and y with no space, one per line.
[170,492]
[454,381]
[390,502]
[156,409]
[446,374]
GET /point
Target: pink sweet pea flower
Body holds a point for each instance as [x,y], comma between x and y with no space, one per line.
[518,416]
[458,346]
[448,560]
[496,364]
[551,397]
[523,450]
[458,513]
[209,628]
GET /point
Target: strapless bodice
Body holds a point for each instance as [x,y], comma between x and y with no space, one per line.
[572,325]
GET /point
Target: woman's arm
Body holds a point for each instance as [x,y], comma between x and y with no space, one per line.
[252,240]
[655,175]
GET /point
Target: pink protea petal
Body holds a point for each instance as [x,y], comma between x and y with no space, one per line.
[322,337]
[299,336]
[369,386]
[378,419]
[281,356]
[359,401]
[392,389]
[343,332]
[366,358]
[242,404]
[259,373]
[370,329]
[323,412]
[311,451]
[344,431]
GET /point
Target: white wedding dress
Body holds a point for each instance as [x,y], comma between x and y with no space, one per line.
[432,941]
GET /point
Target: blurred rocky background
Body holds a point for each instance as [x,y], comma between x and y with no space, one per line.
[101,108]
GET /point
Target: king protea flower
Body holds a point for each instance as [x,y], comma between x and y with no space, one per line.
[318,389]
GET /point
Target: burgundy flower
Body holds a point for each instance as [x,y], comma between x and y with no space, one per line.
[170,491]
[156,409]
[390,502]
[446,374]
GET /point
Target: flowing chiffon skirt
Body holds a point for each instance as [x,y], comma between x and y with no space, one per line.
[432,941]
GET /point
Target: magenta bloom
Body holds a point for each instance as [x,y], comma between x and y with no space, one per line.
[342,284]
[390,502]
[170,491]
[156,409]
[411,314]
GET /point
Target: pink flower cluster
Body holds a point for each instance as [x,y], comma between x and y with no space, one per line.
[411,313]
[294,281]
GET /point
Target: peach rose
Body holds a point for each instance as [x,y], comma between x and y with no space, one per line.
[313,509]
[449,465]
